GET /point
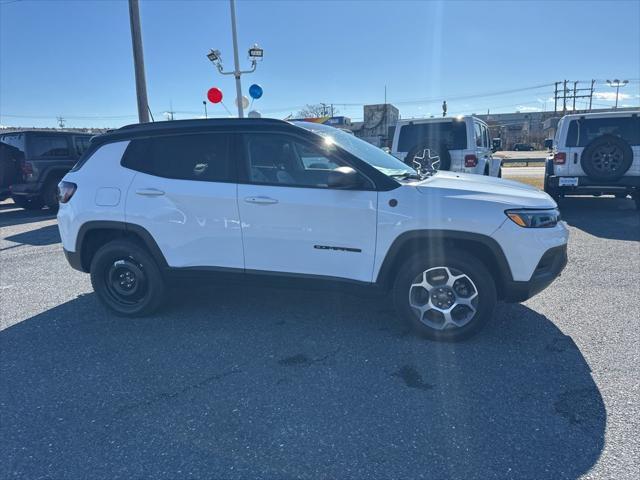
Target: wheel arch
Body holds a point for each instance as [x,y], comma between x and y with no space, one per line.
[92,235]
[483,247]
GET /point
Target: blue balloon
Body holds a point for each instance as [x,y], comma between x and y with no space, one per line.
[255,91]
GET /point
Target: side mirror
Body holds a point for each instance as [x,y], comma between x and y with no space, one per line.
[344,178]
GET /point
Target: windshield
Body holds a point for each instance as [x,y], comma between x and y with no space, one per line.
[374,156]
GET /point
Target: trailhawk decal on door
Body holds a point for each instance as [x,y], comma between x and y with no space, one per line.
[338,249]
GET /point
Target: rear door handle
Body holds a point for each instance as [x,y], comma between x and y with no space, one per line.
[149,192]
[261,200]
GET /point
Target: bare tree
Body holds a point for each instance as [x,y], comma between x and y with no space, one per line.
[317,110]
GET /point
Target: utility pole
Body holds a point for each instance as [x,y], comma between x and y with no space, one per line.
[138,62]
[555,98]
[593,82]
[564,98]
[575,92]
[236,62]
[204,102]
[60,122]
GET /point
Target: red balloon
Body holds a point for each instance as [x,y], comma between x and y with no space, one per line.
[214,95]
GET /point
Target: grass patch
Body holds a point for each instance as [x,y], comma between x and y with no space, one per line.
[537,182]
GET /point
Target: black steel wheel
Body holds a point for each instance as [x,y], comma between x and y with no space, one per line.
[127,279]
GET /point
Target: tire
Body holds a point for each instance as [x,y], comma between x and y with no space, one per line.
[28,203]
[7,172]
[50,194]
[500,172]
[431,322]
[607,158]
[126,279]
[442,152]
[552,192]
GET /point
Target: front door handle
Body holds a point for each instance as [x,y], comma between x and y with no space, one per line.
[149,192]
[261,200]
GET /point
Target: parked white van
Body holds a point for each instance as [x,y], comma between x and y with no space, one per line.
[459,144]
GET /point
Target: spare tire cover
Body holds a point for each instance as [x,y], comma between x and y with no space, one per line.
[607,157]
[438,157]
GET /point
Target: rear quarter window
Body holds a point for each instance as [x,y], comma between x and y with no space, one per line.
[582,131]
[48,146]
[202,157]
[452,134]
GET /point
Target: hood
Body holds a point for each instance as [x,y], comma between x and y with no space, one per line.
[483,188]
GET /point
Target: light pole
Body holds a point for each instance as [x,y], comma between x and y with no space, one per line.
[255,54]
[617,84]
[204,102]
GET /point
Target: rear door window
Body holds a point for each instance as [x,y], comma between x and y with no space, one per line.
[582,131]
[49,146]
[201,157]
[453,134]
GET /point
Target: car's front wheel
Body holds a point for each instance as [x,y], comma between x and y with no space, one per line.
[127,279]
[446,296]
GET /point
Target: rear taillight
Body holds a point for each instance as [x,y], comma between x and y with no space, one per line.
[66,191]
[470,161]
[559,158]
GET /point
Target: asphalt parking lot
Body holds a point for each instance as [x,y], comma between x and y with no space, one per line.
[245,382]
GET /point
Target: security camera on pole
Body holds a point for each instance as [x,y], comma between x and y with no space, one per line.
[255,54]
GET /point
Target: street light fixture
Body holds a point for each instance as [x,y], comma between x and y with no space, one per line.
[255,53]
[617,84]
[214,56]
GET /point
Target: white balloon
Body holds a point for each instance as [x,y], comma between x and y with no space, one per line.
[245,102]
[254,114]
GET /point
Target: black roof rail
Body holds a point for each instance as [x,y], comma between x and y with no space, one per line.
[199,122]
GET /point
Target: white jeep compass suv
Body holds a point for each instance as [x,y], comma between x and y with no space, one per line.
[249,197]
[457,144]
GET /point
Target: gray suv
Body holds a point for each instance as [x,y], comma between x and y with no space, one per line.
[32,162]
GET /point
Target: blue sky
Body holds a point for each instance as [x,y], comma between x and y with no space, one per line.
[73,58]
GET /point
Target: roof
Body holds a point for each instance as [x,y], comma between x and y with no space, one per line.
[404,121]
[47,132]
[176,126]
[611,113]
[200,122]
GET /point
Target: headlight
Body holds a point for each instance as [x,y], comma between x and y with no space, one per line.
[534,218]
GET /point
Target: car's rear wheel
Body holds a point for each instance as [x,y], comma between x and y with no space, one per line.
[50,194]
[448,296]
[127,279]
[548,171]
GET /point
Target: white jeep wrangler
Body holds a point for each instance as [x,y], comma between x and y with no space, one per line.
[595,154]
[243,198]
[458,144]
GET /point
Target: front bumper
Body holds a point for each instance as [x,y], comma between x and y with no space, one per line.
[548,269]
[74,259]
